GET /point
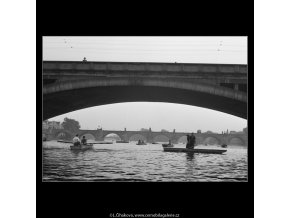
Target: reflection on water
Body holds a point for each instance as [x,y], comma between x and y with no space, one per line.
[189,156]
[130,162]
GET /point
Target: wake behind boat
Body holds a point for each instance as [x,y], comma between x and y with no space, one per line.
[196,150]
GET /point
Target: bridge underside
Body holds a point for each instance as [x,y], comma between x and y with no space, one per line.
[59,103]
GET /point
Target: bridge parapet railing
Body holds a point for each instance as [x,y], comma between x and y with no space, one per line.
[153,67]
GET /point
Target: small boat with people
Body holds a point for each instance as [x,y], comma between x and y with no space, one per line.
[167,145]
[81,147]
[224,146]
[81,144]
[190,147]
[141,142]
[93,143]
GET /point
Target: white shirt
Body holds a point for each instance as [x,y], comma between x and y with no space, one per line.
[76,139]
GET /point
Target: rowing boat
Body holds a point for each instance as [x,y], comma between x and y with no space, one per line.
[196,150]
[81,147]
[167,145]
[101,142]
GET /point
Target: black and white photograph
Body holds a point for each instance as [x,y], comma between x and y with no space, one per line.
[145,109]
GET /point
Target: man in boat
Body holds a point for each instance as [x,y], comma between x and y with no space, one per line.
[84,140]
[192,140]
[188,140]
[76,140]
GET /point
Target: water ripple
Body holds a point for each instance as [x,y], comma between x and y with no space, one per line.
[128,162]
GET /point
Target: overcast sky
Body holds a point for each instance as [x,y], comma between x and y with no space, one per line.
[228,50]
[133,116]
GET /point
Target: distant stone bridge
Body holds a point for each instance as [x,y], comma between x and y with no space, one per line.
[148,136]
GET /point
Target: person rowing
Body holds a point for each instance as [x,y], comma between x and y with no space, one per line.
[84,140]
[190,141]
[76,140]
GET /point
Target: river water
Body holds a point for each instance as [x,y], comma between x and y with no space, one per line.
[131,162]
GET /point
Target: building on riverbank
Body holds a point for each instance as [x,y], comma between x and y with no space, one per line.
[51,125]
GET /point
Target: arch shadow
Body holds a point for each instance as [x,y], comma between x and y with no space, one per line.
[62,102]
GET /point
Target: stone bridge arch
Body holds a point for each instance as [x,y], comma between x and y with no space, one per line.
[88,135]
[119,93]
[182,139]
[63,134]
[218,139]
[71,85]
[106,134]
[162,137]
[236,137]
